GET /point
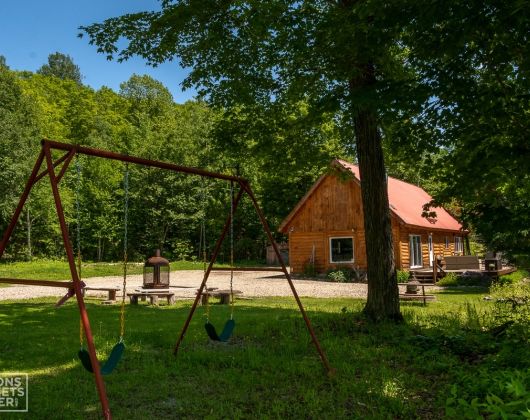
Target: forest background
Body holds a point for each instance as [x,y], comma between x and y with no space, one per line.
[282,151]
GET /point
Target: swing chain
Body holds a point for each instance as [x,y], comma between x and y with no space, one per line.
[78,214]
[125,244]
[231,249]
[203,242]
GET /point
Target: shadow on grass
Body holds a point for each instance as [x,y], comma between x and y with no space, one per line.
[463,290]
[269,369]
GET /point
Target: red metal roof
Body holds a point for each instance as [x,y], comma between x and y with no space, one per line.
[407,200]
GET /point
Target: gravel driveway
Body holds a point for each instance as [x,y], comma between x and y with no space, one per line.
[252,284]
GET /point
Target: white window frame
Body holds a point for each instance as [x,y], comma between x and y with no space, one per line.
[459,245]
[411,252]
[331,250]
[430,248]
[447,245]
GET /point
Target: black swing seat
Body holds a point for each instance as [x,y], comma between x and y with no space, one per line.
[109,365]
[225,334]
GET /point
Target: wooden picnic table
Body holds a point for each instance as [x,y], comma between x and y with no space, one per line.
[417,296]
[153,296]
[110,290]
[223,295]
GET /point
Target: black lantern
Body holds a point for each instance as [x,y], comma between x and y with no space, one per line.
[156,272]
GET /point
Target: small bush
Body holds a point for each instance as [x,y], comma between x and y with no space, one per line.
[512,302]
[182,250]
[450,280]
[403,276]
[310,269]
[341,275]
[472,279]
[514,277]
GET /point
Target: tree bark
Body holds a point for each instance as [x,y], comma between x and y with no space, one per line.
[99,251]
[467,245]
[383,296]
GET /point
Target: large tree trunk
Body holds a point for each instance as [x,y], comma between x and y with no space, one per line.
[383,298]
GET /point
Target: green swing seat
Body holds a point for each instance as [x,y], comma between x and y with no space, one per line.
[225,334]
[111,363]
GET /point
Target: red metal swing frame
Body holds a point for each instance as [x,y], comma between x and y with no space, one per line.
[75,286]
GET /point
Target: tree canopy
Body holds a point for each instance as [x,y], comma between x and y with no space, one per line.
[61,66]
[142,119]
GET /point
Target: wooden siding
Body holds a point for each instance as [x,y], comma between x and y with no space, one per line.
[332,197]
[438,239]
[302,245]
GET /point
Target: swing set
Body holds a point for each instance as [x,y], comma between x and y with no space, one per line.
[74,288]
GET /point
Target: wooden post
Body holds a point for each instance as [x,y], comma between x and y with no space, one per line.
[435,269]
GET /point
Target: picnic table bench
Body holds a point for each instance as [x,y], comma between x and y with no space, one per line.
[416,296]
[153,296]
[223,295]
[110,290]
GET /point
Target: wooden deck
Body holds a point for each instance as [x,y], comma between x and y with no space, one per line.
[495,274]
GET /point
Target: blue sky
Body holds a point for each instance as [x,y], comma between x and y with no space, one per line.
[30,30]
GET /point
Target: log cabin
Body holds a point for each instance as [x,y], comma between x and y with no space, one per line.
[326,227]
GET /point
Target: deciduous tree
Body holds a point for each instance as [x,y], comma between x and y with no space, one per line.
[340,57]
[61,66]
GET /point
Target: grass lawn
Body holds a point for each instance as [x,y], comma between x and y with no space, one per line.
[270,369]
[59,270]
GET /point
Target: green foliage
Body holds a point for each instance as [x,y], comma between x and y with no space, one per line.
[475,121]
[512,302]
[403,276]
[182,250]
[341,274]
[450,279]
[309,269]
[515,277]
[61,66]
[502,395]
[165,208]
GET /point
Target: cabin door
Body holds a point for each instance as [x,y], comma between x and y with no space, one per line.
[431,251]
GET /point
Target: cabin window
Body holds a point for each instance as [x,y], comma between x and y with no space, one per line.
[341,250]
[416,259]
[459,247]
[447,242]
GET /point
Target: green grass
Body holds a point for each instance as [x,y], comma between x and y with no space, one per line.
[452,280]
[59,270]
[270,369]
[516,276]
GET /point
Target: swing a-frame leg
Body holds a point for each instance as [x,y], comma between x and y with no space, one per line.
[245,188]
[76,285]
